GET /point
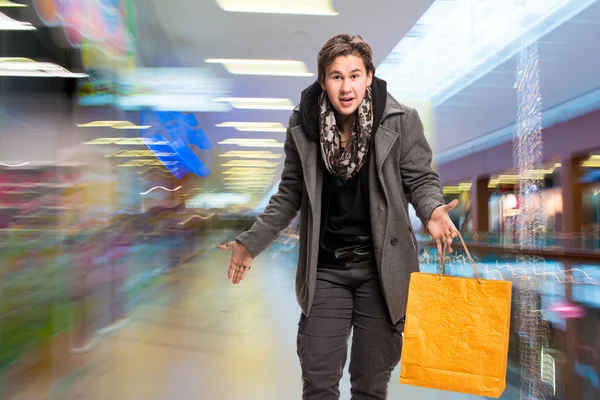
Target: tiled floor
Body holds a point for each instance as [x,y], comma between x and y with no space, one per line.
[204,338]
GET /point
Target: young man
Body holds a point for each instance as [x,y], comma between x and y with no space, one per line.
[354,159]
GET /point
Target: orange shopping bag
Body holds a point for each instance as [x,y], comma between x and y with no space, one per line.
[456,332]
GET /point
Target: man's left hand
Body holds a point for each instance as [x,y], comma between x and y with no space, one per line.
[441,227]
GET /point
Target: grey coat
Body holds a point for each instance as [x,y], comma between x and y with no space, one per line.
[400,172]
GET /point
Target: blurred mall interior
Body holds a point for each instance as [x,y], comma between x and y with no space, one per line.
[138,135]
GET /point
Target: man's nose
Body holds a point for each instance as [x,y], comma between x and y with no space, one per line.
[346,87]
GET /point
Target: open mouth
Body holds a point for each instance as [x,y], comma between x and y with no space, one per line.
[346,101]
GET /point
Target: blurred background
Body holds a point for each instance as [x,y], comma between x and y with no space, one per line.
[137,135]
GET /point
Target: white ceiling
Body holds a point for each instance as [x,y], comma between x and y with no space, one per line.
[569,68]
[194,33]
[184,33]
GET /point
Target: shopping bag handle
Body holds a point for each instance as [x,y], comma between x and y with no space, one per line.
[443,257]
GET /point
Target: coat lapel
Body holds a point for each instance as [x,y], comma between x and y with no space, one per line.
[384,140]
[312,170]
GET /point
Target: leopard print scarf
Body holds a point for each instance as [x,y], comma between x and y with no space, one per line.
[345,162]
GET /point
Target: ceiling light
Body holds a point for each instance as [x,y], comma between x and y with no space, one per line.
[139,153]
[257,103]
[251,154]
[247,185]
[263,67]
[145,163]
[457,42]
[113,124]
[171,89]
[253,142]
[508,179]
[127,141]
[10,66]
[259,178]
[537,173]
[250,163]
[451,190]
[591,164]
[9,24]
[493,183]
[246,170]
[254,126]
[462,187]
[8,3]
[305,7]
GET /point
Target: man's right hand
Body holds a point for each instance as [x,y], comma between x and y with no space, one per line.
[241,261]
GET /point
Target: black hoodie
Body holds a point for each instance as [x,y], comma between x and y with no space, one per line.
[346,239]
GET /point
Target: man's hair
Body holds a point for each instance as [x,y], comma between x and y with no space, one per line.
[344,45]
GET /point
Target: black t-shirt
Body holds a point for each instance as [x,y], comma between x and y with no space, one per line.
[346,239]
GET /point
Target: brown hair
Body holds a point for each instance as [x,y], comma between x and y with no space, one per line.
[344,45]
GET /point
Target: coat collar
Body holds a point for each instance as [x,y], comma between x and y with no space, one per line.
[385,137]
[392,107]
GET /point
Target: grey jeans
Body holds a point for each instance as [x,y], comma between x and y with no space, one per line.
[345,300]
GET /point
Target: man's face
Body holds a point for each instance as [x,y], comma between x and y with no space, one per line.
[346,82]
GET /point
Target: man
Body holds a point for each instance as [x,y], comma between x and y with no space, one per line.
[354,159]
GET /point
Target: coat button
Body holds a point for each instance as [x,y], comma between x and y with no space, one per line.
[394,241]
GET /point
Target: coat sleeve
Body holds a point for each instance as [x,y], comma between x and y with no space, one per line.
[283,205]
[421,183]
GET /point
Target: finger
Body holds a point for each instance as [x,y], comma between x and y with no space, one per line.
[231,269]
[439,247]
[238,274]
[234,276]
[453,235]
[452,204]
[243,274]
[225,246]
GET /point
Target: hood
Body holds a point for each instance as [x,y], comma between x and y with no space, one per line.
[309,106]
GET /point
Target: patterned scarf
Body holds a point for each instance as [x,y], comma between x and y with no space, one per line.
[345,162]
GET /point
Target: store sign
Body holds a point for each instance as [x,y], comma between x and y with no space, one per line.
[171,137]
[106,24]
[105,31]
